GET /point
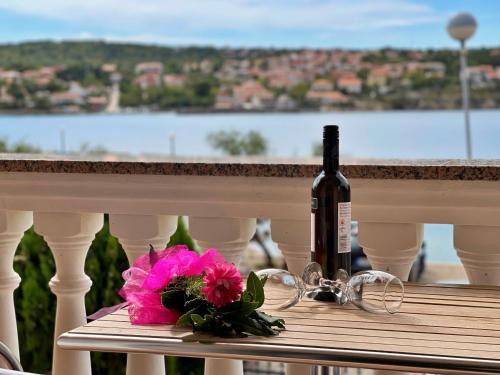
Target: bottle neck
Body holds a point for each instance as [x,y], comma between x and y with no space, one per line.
[331,156]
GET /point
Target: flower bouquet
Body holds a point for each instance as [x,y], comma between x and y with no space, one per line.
[204,292]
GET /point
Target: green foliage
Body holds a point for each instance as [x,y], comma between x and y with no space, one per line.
[234,143]
[199,91]
[20,147]
[16,91]
[181,235]
[95,53]
[317,149]
[42,103]
[35,304]
[236,319]
[299,91]
[23,147]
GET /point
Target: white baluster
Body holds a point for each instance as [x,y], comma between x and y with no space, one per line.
[391,247]
[136,233]
[478,247]
[230,236]
[12,227]
[294,240]
[69,236]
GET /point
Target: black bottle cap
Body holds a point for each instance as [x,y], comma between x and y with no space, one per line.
[331,132]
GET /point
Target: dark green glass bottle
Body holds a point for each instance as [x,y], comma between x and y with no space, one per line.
[331,211]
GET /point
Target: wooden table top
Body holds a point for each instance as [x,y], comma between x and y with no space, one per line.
[441,328]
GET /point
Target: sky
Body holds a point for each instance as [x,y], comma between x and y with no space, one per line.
[353,24]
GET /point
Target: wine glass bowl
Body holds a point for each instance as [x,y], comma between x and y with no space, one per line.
[372,291]
[376,291]
[282,289]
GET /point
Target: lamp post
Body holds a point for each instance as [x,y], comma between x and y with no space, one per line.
[461,27]
[171,138]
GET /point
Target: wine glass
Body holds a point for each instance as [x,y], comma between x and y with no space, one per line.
[372,291]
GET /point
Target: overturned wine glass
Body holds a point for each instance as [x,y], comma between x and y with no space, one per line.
[372,291]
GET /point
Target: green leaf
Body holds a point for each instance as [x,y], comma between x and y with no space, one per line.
[255,288]
[271,320]
[197,320]
[173,299]
[185,320]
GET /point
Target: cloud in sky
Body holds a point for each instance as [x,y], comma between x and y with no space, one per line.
[152,17]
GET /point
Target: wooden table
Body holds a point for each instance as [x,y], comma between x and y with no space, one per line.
[441,328]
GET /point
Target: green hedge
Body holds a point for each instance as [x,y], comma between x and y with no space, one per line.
[36,305]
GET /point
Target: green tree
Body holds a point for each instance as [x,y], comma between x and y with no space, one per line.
[130,95]
[16,91]
[317,149]
[234,143]
[42,103]
[23,147]
[254,143]
[299,91]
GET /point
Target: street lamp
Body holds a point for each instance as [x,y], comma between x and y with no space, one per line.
[461,27]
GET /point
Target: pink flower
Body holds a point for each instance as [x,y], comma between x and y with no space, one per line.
[181,263]
[136,275]
[223,284]
[152,272]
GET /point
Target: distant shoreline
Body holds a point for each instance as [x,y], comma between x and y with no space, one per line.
[229,112]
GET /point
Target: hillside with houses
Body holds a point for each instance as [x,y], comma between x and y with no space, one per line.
[110,79]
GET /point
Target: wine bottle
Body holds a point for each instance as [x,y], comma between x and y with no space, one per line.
[331,211]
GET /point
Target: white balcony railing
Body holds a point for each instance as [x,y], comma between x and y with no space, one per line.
[66,200]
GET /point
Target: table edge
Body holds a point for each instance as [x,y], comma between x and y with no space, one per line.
[279,353]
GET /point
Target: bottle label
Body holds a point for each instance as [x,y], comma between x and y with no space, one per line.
[314,207]
[344,225]
[313,232]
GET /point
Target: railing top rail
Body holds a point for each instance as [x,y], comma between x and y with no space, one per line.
[410,169]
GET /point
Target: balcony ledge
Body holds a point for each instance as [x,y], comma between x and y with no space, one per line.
[398,169]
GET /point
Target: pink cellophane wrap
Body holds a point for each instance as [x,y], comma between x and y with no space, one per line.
[151,272]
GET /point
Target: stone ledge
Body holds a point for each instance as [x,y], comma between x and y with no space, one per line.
[412,169]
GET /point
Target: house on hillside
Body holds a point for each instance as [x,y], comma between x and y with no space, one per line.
[109,68]
[321,85]
[40,77]
[149,67]
[252,95]
[175,80]
[249,95]
[482,76]
[326,98]
[224,100]
[66,98]
[285,103]
[9,76]
[350,83]
[431,69]
[148,80]
[97,103]
[377,76]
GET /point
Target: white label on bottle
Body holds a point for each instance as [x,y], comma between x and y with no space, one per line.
[344,225]
[313,231]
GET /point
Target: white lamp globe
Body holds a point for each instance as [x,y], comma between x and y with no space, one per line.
[462,26]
